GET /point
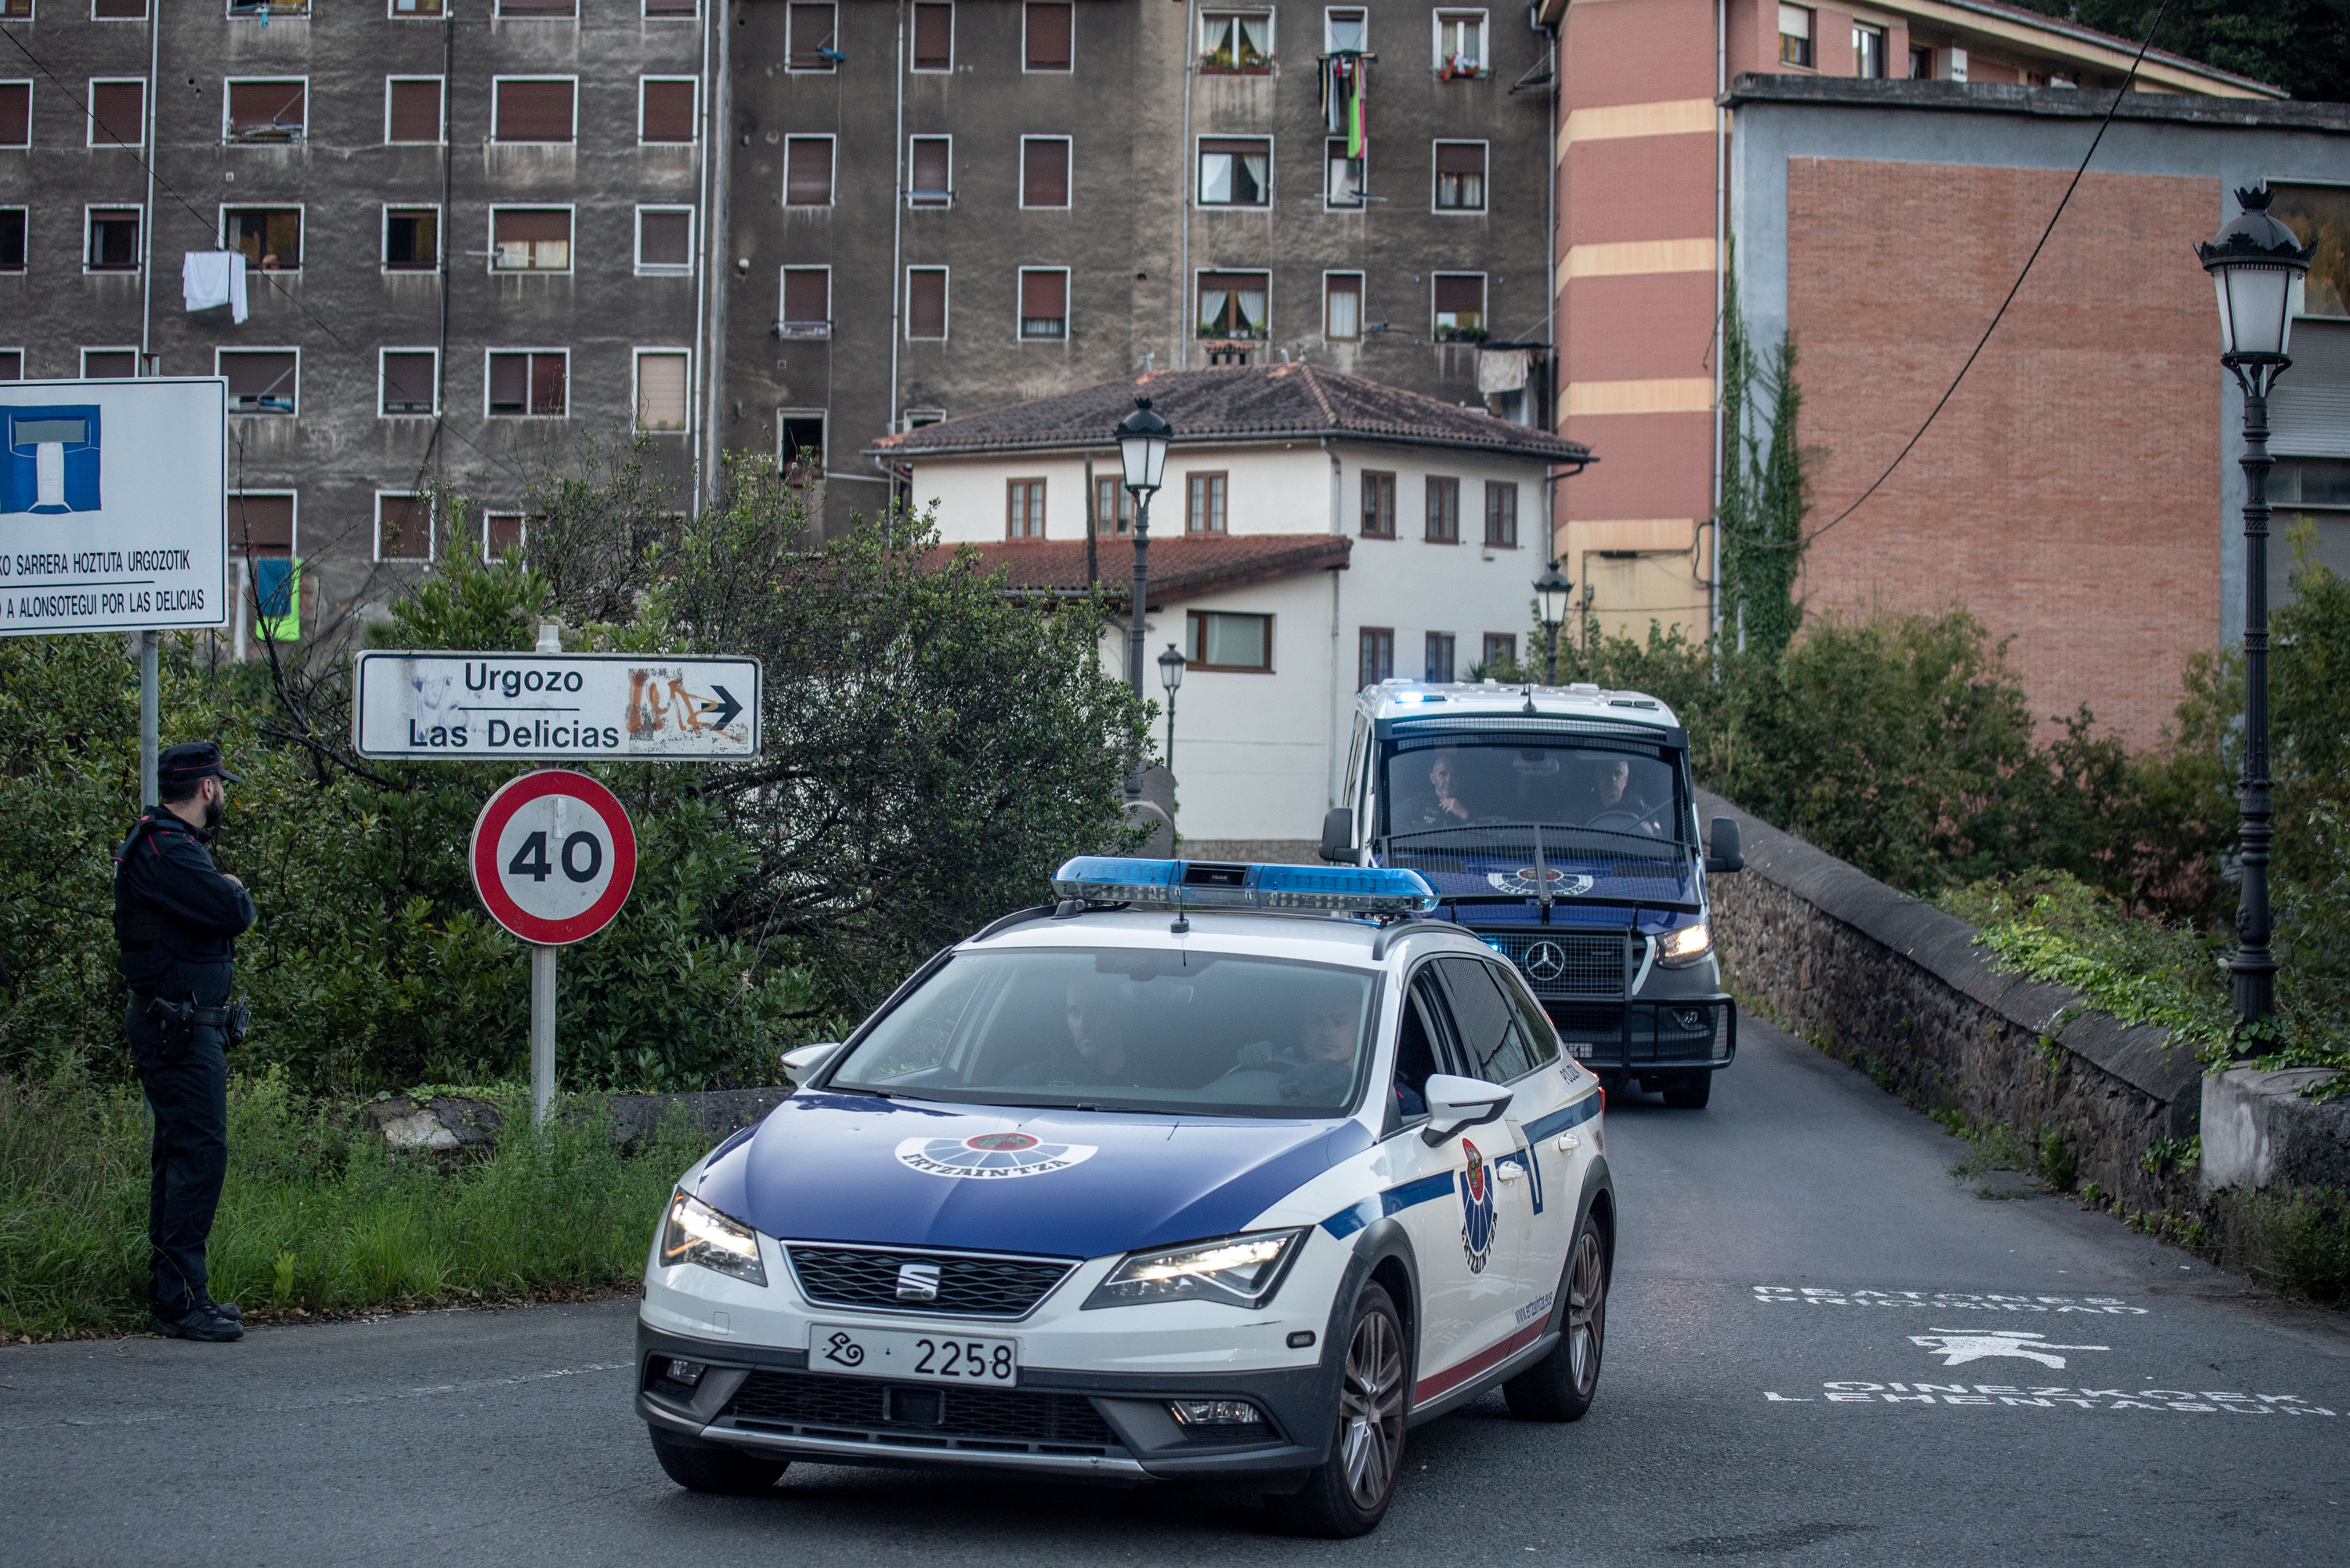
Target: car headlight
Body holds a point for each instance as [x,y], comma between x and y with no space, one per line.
[1239,1271]
[1678,950]
[696,1233]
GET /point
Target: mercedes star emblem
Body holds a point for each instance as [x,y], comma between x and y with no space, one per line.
[1545,960]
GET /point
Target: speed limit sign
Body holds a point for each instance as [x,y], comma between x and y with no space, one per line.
[553,856]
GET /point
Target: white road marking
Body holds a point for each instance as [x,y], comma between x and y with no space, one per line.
[1959,1346]
[1946,1301]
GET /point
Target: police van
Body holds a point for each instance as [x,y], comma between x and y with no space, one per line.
[1558,825]
[1203,1172]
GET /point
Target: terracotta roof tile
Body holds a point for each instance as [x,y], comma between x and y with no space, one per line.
[1183,567]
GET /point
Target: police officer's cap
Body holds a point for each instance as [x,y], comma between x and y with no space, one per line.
[189,761]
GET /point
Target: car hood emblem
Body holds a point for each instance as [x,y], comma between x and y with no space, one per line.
[1562,884]
[1545,960]
[918,1281]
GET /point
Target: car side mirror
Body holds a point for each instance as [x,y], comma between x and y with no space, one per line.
[1338,835]
[1725,854]
[801,1064]
[1454,1103]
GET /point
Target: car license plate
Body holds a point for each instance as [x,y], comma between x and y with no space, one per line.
[913,1357]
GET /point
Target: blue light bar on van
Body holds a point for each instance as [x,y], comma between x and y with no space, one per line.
[1214,885]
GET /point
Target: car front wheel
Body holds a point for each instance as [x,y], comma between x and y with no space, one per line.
[1349,1494]
[1560,1387]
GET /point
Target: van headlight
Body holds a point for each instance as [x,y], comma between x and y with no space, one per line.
[1680,948]
[696,1233]
[1239,1271]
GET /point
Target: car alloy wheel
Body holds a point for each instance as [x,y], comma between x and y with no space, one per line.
[1586,1311]
[1370,1409]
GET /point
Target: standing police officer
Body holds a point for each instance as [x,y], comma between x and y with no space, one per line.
[177,918]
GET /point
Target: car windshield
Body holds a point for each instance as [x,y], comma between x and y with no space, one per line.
[1125,1029]
[1508,780]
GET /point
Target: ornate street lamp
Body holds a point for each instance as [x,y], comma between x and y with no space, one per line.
[1551,591]
[1170,675]
[2258,266]
[1142,438]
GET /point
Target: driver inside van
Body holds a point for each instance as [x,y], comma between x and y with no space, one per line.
[1442,806]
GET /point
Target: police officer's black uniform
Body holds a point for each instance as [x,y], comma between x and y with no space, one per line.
[177,918]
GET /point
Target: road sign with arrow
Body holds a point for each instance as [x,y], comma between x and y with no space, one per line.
[573,707]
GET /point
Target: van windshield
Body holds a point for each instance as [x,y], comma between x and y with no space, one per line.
[1126,1029]
[1517,780]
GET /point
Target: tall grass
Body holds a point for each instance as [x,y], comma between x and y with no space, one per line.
[316,1215]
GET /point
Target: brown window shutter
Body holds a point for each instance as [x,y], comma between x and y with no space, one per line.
[933,37]
[1043,294]
[669,111]
[1049,26]
[926,302]
[1458,294]
[261,523]
[408,383]
[16,114]
[665,239]
[534,111]
[1044,173]
[807,295]
[1459,158]
[415,111]
[403,528]
[509,382]
[807,172]
[119,110]
[811,33]
[930,163]
[523,224]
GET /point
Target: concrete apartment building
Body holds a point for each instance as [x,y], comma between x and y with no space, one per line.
[472,241]
[1068,194]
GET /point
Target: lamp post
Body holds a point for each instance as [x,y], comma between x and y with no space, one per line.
[1170,675]
[1551,590]
[2257,266]
[1142,438]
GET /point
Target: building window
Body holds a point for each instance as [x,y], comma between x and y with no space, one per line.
[930,178]
[12,364]
[1203,502]
[1501,652]
[403,528]
[261,381]
[926,302]
[1048,30]
[807,172]
[808,303]
[1867,50]
[529,384]
[1439,666]
[270,238]
[1044,302]
[1342,177]
[1219,639]
[535,110]
[505,534]
[933,37]
[261,540]
[1795,36]
[539,10]
[1459,44]
[799,446]
[1378,505]
[1044,170]
[1459,300]
[1113,508]
[1500,515]
[1236,171]
[12,242]
[1024,509]
[664,239]
[1442,523]
[2319,215]
[661,389]
[113,240]
[1232,303]
[1921,64]
[117,113]
[16,114]
[666,110]
[408,383]
[266,111]
[411,108]
[109,364]
[16,10]
[810,43]
[415,10]
[118,10]
[530,239]
[1375,659]
[1460,176]
[1341,305]
[1344,32]
[1236,41]
[412,239]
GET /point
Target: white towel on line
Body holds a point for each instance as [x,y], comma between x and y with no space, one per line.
[208,279]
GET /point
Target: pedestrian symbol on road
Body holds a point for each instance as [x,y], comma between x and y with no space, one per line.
[1959,1346]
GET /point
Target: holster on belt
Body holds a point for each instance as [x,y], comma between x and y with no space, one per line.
[183,1017]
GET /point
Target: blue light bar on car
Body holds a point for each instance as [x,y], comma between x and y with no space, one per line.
[1213,885]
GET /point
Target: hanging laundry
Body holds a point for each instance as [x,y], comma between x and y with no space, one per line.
[209,279]
[1344,82]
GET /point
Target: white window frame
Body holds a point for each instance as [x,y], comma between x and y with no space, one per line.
[832,176]
[1357,205]
[293,348]
[26,145]
[905,421]
[489,261]
[431,529]
[442,140]
[1484,208]
[302,220]
[393,13]
[824,441]
[293,533]
[229,82]
[1068,306]
[1068,172]
[663,269]
[1272,161]
[636,373]
[498,83]
[1484,297]
[380,384]
[523,544]
[953,42]
[1362,293]
[497,10]
[1364,9]
[1026,69]
[86,209]
[1272,15]
[643,82]
[383,238]
[645,12]
[87,350]
[5,350]
[1193,328]
[228,9]
[946,324]
[933,206]
[146,110]
[782,295]
[826,69]
[527,348]
[1436,19]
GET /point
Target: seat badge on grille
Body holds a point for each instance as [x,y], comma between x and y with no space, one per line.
[1525,879]
[990,1155]
[1545,960]
[918,1281]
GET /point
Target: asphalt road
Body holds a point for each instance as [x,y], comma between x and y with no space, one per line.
[1798,1241]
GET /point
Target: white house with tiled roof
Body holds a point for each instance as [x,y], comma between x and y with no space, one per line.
[1316,533]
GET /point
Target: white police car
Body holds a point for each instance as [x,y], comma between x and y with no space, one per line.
[1210,1171]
